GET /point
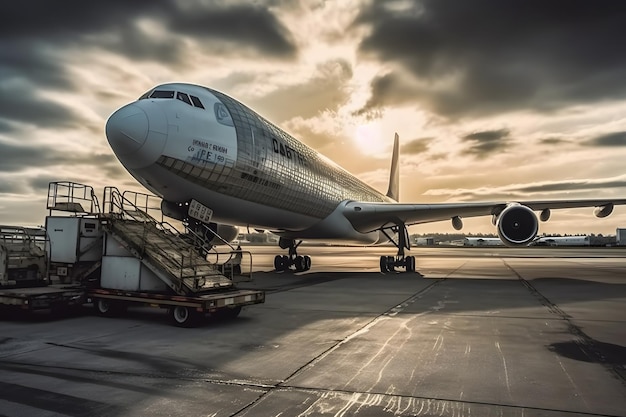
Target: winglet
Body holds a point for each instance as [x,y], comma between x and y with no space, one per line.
[394,175]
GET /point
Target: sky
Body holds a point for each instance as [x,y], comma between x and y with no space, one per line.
[492,100]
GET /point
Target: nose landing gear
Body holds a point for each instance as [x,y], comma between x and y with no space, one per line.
[285,262]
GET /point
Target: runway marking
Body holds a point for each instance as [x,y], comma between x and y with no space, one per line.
[506,371]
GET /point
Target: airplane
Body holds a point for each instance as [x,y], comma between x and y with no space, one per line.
[187,143]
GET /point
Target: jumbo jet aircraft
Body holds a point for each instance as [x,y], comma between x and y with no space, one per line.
[185,142]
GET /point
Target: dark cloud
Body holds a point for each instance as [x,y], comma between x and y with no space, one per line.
[490,56]
[37,37]
[573,188]
[416,146]
[609,140]
[242,25]
[486,142]
[22,104]
[553,141]
[18,157]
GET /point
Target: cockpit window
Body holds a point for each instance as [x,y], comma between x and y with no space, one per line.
[196,101]
[162,94]
[222,115]
[183,97]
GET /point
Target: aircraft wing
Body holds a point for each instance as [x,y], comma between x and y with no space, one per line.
[366,217]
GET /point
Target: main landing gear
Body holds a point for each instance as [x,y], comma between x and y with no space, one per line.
[285,262]
[389,263]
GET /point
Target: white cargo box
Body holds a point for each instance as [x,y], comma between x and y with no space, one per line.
[73,239]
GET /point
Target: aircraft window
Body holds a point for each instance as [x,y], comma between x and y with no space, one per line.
[162,94]
[196,101]
[222,115]
[183,97]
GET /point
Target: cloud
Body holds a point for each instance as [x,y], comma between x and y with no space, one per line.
[488,56]
[486,142]
[609,140]
[523,191]
[416,146]
[325,90]
[34,43]
[22,104]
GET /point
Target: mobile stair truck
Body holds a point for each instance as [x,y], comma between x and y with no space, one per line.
[24,284]
[122,255]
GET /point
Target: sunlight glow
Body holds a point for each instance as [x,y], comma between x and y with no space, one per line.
[369,138]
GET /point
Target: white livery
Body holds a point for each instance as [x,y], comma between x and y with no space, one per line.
[185,142]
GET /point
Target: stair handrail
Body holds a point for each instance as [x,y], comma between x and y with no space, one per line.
[70,196]
[116,205]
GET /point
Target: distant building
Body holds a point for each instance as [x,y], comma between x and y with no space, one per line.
[424,241]
[620,237]
[482,241]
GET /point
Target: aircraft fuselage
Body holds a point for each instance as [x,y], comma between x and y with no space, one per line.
[184,141]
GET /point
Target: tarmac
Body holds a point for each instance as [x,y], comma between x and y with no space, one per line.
[477,332]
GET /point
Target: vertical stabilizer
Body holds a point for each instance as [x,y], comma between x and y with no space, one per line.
[394,176]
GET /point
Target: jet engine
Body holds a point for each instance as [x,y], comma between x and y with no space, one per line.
[517,225]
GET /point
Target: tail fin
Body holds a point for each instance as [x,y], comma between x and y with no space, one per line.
[394,176]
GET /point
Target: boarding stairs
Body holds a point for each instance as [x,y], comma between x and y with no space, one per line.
[174,258]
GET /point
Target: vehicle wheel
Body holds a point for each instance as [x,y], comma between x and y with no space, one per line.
[307,262]
[104,307]
[383,264]
[278,263]
[182,316]
[286,262]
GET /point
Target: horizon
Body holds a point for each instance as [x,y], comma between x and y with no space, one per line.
[525,101]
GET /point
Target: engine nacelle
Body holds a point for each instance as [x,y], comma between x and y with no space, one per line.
[517,225]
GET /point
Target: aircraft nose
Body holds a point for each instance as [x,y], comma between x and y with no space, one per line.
[127,129]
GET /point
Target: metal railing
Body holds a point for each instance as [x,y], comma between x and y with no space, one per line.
[161,241]
[72,197]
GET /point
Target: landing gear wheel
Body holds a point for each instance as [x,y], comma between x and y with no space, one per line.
[306,260]
[383,264]
[390,264]
[299,263]
[183,316]
[278,263]
[410,263]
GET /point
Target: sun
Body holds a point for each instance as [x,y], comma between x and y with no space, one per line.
[369,138]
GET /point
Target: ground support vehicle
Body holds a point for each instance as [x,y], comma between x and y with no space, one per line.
[24,284]
[120,255]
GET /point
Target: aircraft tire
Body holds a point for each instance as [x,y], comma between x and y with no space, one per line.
[410,263]
[299,263]
[307,262]
[390,266]
[383,264]
[278,263]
